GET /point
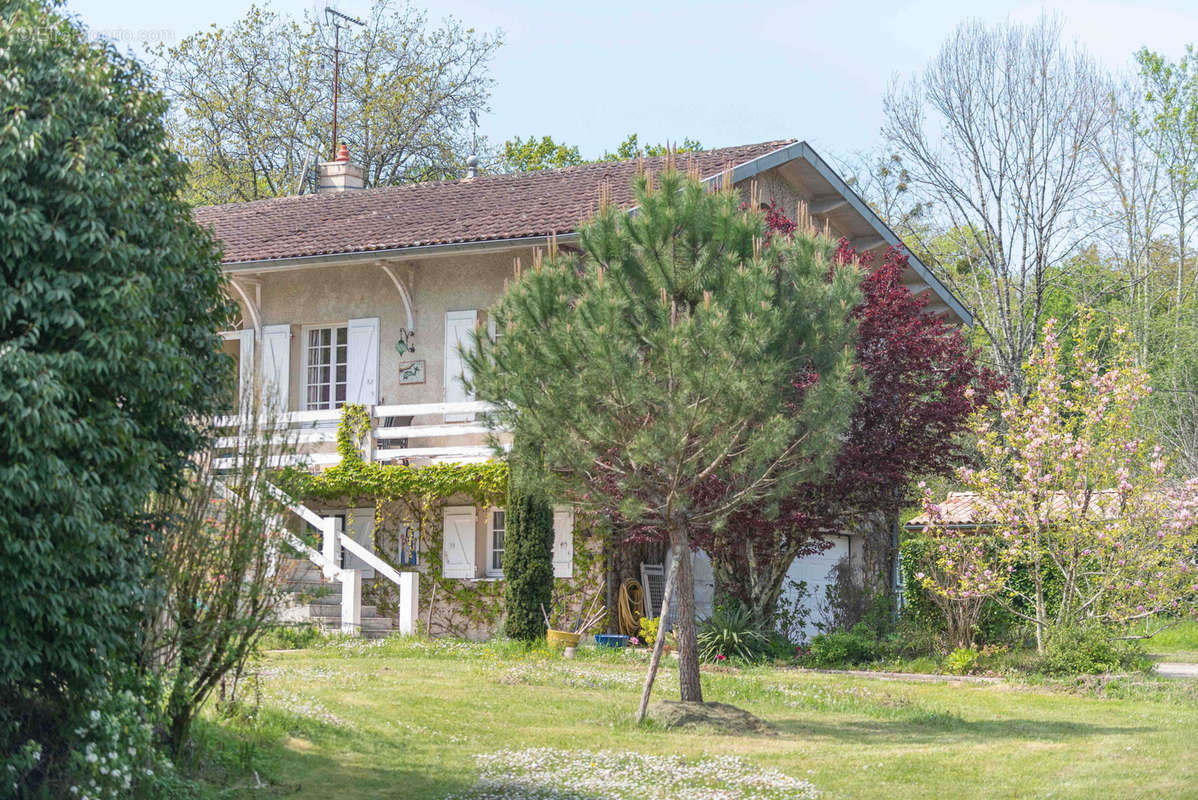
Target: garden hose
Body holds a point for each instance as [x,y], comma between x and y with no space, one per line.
[628,605]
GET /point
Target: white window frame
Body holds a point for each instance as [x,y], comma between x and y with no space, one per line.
[305,332]
[492,571]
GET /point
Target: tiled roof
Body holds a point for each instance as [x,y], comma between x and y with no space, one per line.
[486,208]
[967,508]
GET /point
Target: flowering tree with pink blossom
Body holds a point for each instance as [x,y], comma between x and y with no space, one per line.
[1070,489]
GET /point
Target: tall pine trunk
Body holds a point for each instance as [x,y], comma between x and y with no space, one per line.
[688,646]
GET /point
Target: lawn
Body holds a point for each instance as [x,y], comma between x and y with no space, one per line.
[1178,643]
[415,719]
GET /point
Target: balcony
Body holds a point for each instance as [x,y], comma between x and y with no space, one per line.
[413,434]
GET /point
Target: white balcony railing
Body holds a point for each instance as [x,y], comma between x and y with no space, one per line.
[414,433]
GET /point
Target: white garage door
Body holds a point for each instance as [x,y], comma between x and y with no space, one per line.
[814,570]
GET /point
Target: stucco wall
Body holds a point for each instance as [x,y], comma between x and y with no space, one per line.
[332,295]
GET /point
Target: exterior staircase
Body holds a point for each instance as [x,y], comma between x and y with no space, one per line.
[314,599]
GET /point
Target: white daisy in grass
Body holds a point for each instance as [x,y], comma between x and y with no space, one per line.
[544,773]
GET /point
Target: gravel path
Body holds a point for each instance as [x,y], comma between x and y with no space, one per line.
[1176,669]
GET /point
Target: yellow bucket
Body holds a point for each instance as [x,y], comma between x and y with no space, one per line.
[562,639]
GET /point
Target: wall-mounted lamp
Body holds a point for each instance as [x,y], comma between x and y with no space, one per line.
[405,344]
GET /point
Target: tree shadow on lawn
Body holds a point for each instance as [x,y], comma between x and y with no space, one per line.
[943,725]
[319,776]
[316,776]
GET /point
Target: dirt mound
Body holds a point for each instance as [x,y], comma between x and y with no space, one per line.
[720,716]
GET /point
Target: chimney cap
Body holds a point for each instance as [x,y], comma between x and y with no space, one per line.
[343,153]
[472,166]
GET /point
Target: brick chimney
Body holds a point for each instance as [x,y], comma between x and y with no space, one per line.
[340,175]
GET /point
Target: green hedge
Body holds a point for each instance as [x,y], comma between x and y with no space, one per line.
[997,624]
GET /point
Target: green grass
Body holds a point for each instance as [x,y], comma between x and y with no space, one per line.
[409,718]
[1178,643]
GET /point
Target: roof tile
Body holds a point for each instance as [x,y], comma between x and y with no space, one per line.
[486,208]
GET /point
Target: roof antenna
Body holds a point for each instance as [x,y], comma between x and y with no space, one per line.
[472,160]
[338,20]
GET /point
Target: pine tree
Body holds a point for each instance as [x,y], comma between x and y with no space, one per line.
[658,359]
[527,563]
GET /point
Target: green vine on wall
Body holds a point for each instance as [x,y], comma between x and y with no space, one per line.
[417,495]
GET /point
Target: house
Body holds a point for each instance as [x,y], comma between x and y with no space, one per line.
[362,295]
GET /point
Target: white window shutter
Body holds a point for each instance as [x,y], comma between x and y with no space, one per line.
[457,542]
[563,542]
[276,366]
[245,369]
[459,325]
[362,368]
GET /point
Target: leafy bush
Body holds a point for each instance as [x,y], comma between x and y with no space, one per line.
[111,297]
[846,648]
[648,630]
[730,633]
[1077,651]
[793,610]
[217,592]
[994,624]
[961,661]
[291,637]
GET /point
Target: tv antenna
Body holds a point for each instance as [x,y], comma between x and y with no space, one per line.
[338,20]
[474,132]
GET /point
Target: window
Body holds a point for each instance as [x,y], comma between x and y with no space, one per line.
[495,545]
[409,544]
[326,356]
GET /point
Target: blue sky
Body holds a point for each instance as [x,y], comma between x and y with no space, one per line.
[722,72]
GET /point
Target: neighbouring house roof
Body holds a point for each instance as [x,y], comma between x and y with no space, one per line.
[968,509]
[393,221]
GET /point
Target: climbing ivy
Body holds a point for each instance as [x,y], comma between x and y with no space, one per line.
[417,495]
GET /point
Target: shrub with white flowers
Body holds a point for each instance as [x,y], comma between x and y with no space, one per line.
[113,750]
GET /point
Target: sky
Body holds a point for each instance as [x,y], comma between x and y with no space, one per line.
[724,73]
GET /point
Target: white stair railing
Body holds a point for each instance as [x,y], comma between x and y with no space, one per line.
[328,559]
[315,434]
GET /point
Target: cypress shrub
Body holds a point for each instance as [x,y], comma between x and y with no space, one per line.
[527,564]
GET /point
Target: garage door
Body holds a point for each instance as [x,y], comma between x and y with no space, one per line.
[814,570]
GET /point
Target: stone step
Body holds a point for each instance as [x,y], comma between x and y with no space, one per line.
[302,576]
[366,631]
[325,609]
[313,587]
[311,572]
[371,633]
[368,623]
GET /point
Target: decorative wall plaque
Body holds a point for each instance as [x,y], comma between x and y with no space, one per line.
[411,372]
